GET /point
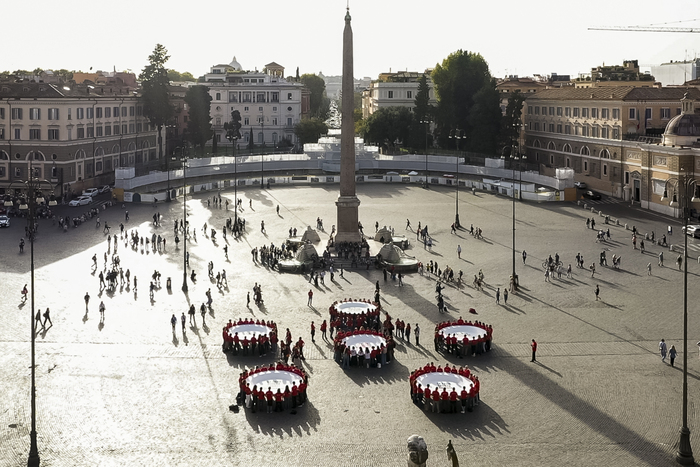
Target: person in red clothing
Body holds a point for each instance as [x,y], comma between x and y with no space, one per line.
[427,396]
[436,400]
[444,397]
[269,397]
[295,395]
[464,396]
[453,401]
[324,327]
[278,401]
[287,394]
[534,350]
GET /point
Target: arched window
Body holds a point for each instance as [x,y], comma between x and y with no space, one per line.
[4,156]
[80,154]
[99,152]
[585,151]
[35,155]
[567,147]
[552,146]
[131,147]
[604,154]
[145,145]
[261,137]
[537,144]
[115,149]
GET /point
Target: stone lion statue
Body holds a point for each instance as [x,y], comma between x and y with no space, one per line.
[417,451]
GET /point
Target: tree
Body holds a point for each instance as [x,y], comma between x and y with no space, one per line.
[310,130]
[319,104]
[155,97]
[388,125]
[512,120]
[485,120]
[460,77]
[423,111]
[174,75]
[233,127]
[251,140]
[199,122]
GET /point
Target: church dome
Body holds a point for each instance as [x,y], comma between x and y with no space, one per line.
[683,125]
[235,65]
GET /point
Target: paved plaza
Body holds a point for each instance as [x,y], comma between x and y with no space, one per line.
[127,391]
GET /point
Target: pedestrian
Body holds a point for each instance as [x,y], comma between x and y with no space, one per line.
[597,292]
[662,350]
[641,246]
[592,268]
[416,333]
[661,259]
[534,350]
[47,317]
[37,318]
[311,297]
[524,256]
[649,269]
[408,224]
[459,251]
[183,320]
[498,296]
[505,296]
[313,332]
[102,309]
[173,322]
[568,272]
[191,313]
[672,354]
[87,300]
[247,303]
[203,311]
[679,261]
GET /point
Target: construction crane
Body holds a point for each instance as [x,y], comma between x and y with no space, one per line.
[649,28]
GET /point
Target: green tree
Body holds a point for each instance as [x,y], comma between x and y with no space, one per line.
[388,125]
[187,76]
[512,120]
[319,104]
[251,140]
[154,95]
[233,127]
[423,110]
[199,122]
[460,77]
[174,75]
[310,130]
[485,121]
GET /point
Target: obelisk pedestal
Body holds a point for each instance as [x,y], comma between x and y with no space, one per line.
[347,203]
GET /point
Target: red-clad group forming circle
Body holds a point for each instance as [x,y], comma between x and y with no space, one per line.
[352,313]
[362,347]
[463,338]
[273,388]
[248,337]
[448,389]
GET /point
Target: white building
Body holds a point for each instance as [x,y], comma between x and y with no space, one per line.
[394,90]
[72,135]
[270,106]
[676,73]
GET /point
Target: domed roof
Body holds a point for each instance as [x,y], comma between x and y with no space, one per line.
[683,125]
[235,65]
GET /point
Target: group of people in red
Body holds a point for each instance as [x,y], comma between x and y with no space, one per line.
[345,321]
[465,346]
[262,398]
[263,343]
[350,355]
[435,400]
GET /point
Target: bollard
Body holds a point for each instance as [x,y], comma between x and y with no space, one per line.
[626,227]
[618,221]
[592,209]
[578,202]
[585,206]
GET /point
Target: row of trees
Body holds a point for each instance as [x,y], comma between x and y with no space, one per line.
[468,106]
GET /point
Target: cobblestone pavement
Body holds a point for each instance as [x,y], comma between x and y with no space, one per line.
[127,391]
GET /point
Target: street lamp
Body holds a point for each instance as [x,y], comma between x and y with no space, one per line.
[232,139]
[34,196]
[427,123]
[686,187]
[517,158]
[183,159]
[457,135]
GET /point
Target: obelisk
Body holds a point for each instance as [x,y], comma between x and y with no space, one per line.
[347,202]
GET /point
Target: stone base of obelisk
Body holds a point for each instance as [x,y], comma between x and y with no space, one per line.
[347,228]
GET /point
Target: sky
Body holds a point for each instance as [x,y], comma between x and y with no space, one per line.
[514,37]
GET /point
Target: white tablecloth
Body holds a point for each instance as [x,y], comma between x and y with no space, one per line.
[356,308]
[364,341]
[461,330]
[274,380]
[249,330]
[444,380]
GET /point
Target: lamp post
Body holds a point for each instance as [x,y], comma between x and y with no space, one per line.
[262,156]
[232,139]
[686,188]
[183,159]
[517,158]
[457,135]
[427,123]
[32,194]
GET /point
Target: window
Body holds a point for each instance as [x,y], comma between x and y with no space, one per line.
[605,114]
[98,130]
[559,128]
[115,111]
[233,96]
[616,133]
[616,114]
[2,114]
[123,111]
[289,121]
[559,111]
[647,114]
[2,172]
[124,129]
[551,160]
[260,97]
[594,132]
[665,113]
[34,133]
[409,95]
[605,169]
[16,114]
[260,109]
[585,166]
[2,133]
[274,120]
[551,111]
[537,110]
[81,133]
[108,130]
[98,112]
[274,109]
[537,126]
[390,94]
[584,112]
[245,109]
[627,178]
[568,162]
[594,113]
[108,112]
[576,111]
[218,96]
[567,111]
[289,96]
[132,110]
[115,129]
[246,121]
[633,113]
[79,113]
[678,110]
[53,134]
[34,114]
[90,132]
[53,114]
[18,172]
[567,129]
[551,127]
[90,113]
[132,128]
[261,120]
[218,121]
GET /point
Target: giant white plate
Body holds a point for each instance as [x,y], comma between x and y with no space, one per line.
[364,341]
[461,330]
[249,330]
[274,380]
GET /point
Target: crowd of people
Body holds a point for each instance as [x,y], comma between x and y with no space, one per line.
[262,343]
[262,398]
[375,356]
[450,343]
[344,321]
[434,400]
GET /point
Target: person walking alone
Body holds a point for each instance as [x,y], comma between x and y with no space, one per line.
[662,350]
[311,297]
[534,350]
[416,333]
[498,296]
[597,292]
[47,317]
[661,259]
[672,354]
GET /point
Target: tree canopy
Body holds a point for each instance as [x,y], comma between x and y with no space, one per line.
[512,119]
[319,103]
[199,122]
[177,76]
[233,127]
[310,130]
[465,91]
[388,125]
[155,97]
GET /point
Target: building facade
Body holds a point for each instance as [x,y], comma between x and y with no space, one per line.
[395,90]
[73,135]
[619,141]
[270,106]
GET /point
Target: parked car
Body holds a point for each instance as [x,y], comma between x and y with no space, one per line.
[4,221]
[591,195]
[581,185]
[693,230]
[81,201]
[91,192]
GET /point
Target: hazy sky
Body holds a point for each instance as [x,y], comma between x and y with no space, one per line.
[515,37]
